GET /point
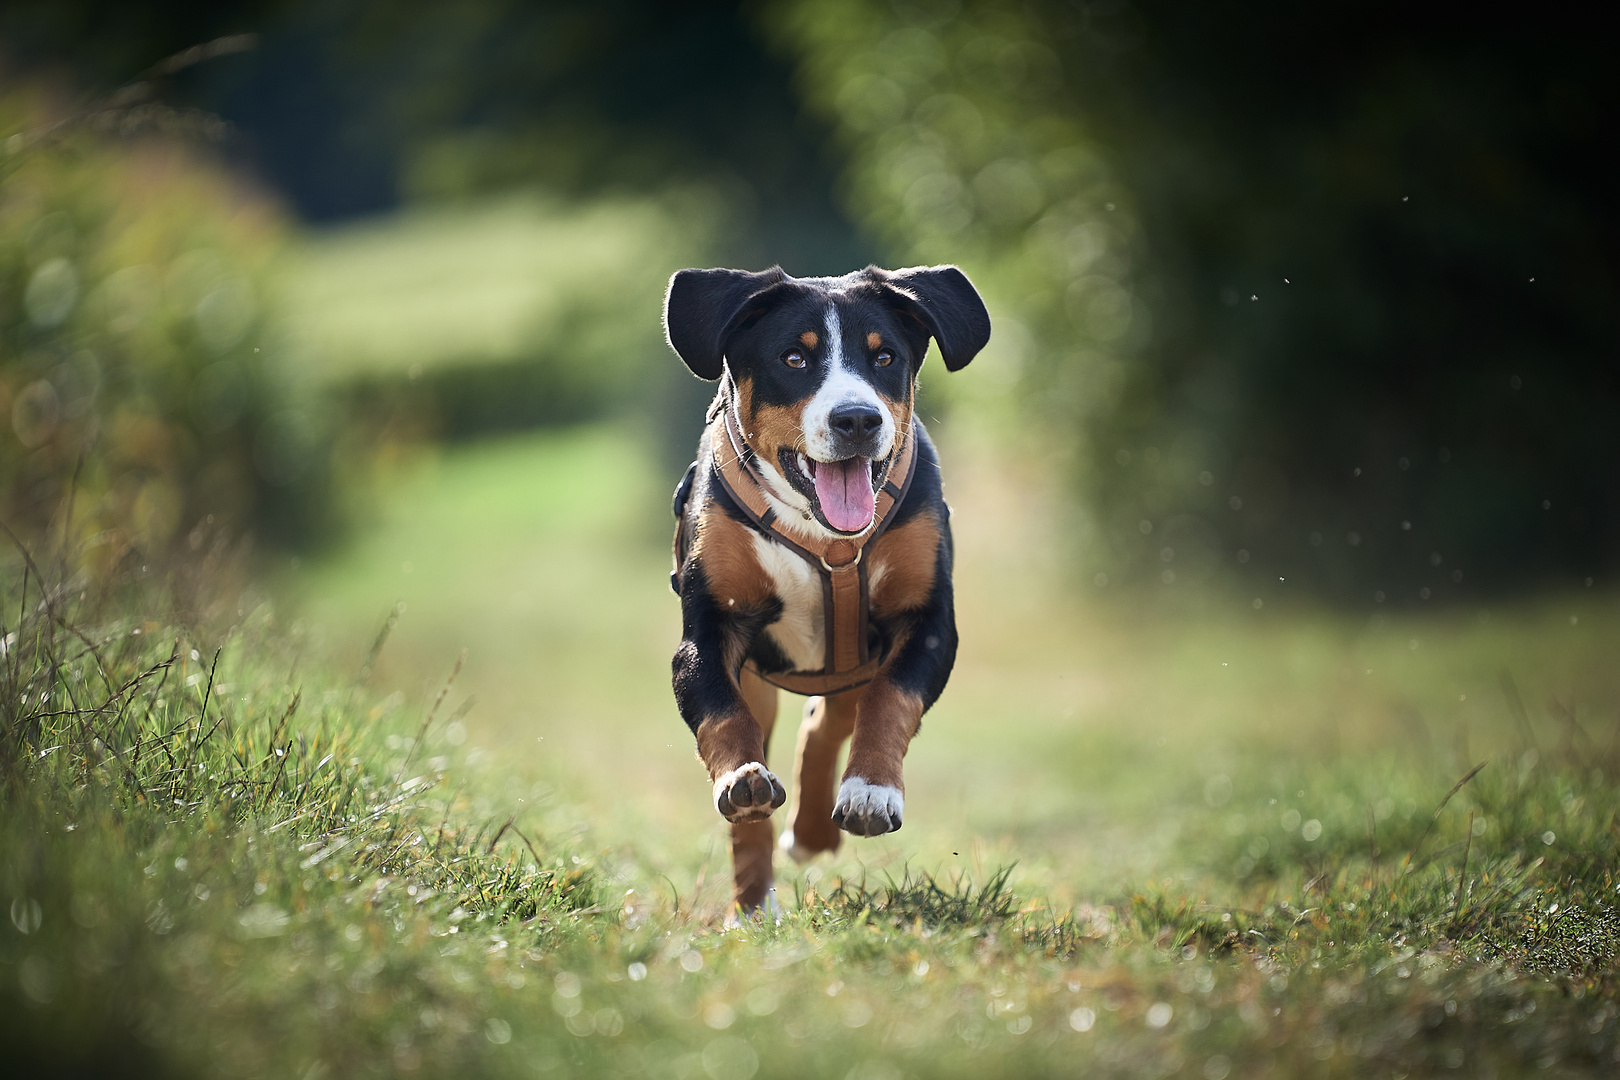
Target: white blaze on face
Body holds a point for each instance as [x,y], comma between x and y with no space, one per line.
[842,386]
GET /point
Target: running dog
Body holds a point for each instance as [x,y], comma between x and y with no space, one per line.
[813,544]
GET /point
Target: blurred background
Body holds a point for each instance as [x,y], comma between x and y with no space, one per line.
[1304,360]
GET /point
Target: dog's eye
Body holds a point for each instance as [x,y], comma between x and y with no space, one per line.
[884,358]
[793,358]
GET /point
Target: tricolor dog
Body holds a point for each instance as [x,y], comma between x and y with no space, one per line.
[813,546]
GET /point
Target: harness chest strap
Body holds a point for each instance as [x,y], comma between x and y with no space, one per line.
[837,561]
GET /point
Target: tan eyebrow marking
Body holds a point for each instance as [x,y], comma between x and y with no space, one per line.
[809,338]
[873,340]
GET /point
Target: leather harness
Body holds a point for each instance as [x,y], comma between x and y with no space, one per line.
[836,560]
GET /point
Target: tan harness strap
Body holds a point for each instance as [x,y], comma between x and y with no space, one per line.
[837,560]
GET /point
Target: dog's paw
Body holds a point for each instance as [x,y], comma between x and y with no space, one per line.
[868,809]
[748,793]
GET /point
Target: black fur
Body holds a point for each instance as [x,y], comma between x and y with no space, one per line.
[770,325]
[683,490]
[703,686]
[751,321]
[946,304]
[704,310]
[700,305]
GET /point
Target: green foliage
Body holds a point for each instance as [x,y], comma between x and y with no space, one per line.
[133,312]
[963,149]
[1290,298]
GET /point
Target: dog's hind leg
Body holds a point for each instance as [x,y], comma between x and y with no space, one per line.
[752,842]
[828,722]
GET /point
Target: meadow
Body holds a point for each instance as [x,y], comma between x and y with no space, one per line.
[1236,776]
[423,805]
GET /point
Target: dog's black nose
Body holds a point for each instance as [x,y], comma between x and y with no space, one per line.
[855,419]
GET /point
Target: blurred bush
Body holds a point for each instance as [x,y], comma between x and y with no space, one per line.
[134,357]
[465,317]
[495,194]
[1296,292]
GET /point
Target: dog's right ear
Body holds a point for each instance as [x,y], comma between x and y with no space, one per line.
[699,309]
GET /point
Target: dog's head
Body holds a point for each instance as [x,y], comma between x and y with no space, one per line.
[824,369]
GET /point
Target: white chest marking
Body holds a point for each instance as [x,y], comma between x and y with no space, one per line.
[801,631]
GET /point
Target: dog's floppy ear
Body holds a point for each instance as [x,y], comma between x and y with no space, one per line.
[699,308]
[947,305]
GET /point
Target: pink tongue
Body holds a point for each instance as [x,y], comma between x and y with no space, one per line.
[845,491]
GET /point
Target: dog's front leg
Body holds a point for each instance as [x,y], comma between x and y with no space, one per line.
[707,668]
[871,800]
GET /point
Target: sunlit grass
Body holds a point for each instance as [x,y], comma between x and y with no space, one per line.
[187,821]
[1079,732]
[1147,835]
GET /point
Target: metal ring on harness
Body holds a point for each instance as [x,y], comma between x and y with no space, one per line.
[856,561]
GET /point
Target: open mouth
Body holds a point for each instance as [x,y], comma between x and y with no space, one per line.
[843,494]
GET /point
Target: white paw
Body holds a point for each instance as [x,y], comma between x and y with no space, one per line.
[748,793]
[868,809]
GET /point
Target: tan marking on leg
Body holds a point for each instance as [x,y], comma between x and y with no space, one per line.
[887,720]
[810,339]
[827,723]
[725,743]
[874,340]
[904,561]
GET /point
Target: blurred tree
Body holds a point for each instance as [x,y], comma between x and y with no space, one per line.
[133,308]
[1265,273]
[578,97]
[350,106]
[354,107]
[1325,292]
[108,43]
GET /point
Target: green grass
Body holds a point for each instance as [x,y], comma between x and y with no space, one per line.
[1157,835]
[196,850]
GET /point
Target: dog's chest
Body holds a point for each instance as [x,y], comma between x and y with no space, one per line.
[801,631]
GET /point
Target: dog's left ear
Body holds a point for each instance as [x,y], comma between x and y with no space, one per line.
[699,308]
[947,305]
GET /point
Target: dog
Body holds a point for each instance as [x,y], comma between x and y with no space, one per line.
[813,544]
